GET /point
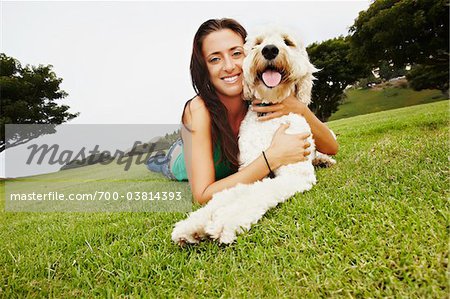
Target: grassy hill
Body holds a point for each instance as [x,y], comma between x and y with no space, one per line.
[365,101]
[375,225]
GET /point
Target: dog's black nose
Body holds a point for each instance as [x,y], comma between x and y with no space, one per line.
[270,52]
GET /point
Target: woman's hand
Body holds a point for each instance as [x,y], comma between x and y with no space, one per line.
[287,148]
[323,138]
[288,105]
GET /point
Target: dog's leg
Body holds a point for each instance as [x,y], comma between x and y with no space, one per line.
[192,229]
[216,224]
[253,201]
[322,160]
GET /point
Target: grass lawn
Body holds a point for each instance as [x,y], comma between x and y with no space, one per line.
[375,225]
[364,101]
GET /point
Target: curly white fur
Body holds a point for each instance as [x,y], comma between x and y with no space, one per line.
[234,210]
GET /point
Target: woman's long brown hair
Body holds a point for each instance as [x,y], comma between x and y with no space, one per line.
[221,130]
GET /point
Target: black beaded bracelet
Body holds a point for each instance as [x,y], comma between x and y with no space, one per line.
[271,174]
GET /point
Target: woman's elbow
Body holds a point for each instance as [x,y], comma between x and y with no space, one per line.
[330,149]
[333,149]
[200,201]
[200,198]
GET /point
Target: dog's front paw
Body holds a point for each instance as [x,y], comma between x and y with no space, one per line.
[215,225]
[184,232]
[224,225]
[220,231]
[213,229]
[227,236]
[192,229]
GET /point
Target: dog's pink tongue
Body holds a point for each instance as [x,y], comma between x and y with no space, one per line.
[271,78]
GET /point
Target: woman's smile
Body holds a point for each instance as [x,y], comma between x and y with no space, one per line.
[232,79]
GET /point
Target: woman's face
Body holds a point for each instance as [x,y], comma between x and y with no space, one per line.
[223,52]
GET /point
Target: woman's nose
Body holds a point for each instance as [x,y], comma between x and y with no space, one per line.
[229,64]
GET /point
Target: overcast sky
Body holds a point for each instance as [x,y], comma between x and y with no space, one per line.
[128,62]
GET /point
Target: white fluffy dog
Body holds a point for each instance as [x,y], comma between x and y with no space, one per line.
[275,67]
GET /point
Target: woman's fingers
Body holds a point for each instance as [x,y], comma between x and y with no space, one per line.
[304,135]
[304,155]
[267,109]
[282,128]
[269,116]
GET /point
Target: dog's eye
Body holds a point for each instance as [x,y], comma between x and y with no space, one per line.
[258,41]
[288,42]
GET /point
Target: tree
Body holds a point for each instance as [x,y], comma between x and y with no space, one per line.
[388,71]
[429,76]
[337,71]
[28,96]
[402,32]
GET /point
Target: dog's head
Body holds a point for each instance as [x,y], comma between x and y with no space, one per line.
[276,66]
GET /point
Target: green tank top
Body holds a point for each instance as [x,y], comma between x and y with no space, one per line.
[222,169]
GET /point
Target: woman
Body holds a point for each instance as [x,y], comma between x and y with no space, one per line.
[208,157]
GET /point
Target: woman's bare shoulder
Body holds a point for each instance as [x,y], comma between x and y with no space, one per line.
[197,103]
[195,109]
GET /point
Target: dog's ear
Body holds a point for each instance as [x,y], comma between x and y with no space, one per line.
[303,87]
[247,47]
[248,94]
[248,78]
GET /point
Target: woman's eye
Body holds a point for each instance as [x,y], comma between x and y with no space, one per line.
[237,53]
[214,59]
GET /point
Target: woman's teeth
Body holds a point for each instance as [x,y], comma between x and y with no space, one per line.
[231,79]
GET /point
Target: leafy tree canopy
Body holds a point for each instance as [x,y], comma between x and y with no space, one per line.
[388,71]
[402,32]
[337,71]
[28,96]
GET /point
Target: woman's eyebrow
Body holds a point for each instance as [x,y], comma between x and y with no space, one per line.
[230,49]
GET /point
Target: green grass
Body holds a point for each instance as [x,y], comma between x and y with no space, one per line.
[365,101]
[375,225]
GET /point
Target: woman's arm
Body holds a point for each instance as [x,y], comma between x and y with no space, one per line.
[324,139]
[198,151]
